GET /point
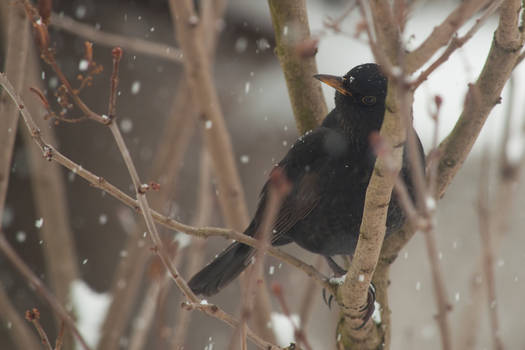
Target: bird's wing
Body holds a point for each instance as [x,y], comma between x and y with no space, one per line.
[306,154]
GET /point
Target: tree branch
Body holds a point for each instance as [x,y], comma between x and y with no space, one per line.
[136,45]
[442,34]
[290,24]
[482,96]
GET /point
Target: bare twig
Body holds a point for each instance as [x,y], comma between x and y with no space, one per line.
[144,319]
[140,188]
[216,312]
[126,42]
[39,287]
[21,334]
[195,258]
[33,316]
[48,187]
[487,245]
[60,337]
[279,187]
[442,34]
[457,42]
[307,300]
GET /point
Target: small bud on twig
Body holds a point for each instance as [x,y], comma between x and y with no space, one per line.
[307,48]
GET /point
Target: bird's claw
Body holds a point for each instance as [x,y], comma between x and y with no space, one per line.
[328,301]
[369,307]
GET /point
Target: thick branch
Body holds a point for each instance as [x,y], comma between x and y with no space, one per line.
[290,24]
[483,95]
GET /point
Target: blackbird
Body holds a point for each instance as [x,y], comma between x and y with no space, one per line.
[329,169]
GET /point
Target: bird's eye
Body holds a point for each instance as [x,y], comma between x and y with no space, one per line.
[369,100]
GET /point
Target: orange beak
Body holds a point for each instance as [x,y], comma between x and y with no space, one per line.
[334,81]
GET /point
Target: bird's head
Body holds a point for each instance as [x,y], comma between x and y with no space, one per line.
[365,86]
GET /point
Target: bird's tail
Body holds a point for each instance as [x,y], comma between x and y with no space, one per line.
[222,270]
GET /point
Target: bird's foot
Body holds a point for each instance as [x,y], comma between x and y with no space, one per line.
[339,278]
[338,270]
[369,308]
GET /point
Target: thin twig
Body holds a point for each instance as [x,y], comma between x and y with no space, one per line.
[457,42]
[40,288]
[126,42]
[21,334]
[442,34]
[195,258]
[33,316]
[60,337]
[218,313]
[307,300]
[487,245]
[140,188]
[278,189]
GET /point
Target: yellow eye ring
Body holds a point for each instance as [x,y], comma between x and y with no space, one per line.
[369,100]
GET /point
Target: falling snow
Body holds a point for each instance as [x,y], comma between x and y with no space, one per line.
[135,87]
[53,82]
[83,65]
[241,44]
[263,44]
[21,236]
[208,124]
[39,222]
[80,11]
[126,125]
[102,219]
[245,159]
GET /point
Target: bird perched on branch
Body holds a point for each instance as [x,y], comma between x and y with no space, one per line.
[329,169]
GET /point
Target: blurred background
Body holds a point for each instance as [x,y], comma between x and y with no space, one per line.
[255,104]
